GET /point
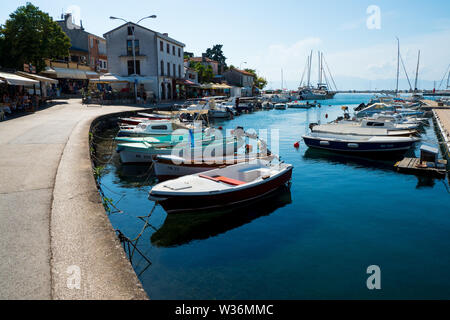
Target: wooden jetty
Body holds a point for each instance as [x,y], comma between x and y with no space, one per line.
[417,167]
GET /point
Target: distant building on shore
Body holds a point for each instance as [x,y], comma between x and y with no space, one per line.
[205,62]
[159,58]
[240,78]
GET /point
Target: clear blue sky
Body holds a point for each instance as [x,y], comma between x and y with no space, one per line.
[279,34]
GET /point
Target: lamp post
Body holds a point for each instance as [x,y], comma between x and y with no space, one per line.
[133,47]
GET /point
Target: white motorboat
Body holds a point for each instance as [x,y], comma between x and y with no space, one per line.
[221,187]
[152,128]
[144,152]
[366,127]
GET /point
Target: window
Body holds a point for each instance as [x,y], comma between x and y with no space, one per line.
[173,50]
[130,31]
[131,67]
[174,70]
[179,71]
[130,47]
[136,47]
[159,127]
[179,52]
[162,67]
[168,69]
[375,124]
[168,48]
[161,46]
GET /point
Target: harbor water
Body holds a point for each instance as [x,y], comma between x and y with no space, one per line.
[341,215]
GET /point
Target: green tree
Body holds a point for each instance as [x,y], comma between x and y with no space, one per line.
[205,74]
[260,82]
[215,53]
[30,36]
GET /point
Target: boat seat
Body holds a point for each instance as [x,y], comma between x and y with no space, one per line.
[223,179]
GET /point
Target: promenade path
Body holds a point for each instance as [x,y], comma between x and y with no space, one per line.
[53,229]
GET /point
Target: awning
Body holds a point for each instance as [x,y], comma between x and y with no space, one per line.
[66,73]
[16,80]
[36,77]
[112,78]
[92,75]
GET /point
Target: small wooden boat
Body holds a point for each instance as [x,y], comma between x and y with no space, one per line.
[222,187]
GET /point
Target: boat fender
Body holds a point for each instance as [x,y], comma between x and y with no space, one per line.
[297,145]
[248,148]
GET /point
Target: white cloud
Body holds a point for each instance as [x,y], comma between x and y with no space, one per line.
[289,57]
[376,62]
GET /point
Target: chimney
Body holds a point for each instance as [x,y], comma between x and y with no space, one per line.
[203,57]
[165,34]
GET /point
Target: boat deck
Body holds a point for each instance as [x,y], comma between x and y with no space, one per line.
[412,166]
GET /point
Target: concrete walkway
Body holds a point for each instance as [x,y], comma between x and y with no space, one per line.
[53,228]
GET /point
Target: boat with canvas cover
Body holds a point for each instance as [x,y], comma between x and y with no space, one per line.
[221,187]
[359,144]
[366,127]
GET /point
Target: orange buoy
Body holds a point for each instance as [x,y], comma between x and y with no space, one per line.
[297,145]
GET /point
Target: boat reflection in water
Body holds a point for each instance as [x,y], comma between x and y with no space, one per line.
[179,229]
[381,162]
[367,163]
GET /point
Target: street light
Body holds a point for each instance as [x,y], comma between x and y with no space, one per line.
[133,47]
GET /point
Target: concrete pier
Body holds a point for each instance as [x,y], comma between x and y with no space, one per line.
[442,117]
[57,242]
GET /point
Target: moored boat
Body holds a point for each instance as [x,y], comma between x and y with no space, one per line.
[221,187]
[359,144]
[145,152]
[170,166]
[366,127]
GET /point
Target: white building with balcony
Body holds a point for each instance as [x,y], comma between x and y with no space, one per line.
[159,58]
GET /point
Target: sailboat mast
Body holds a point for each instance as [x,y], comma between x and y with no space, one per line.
[398,63]
[448,80]
[282,84]
[318,69]
[417,71]
[309,69]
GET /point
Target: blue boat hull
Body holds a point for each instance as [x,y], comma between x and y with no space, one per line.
[359,147]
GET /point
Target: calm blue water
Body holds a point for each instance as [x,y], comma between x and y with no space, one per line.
[341,215]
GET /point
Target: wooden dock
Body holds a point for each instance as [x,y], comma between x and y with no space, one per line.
[414,166]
